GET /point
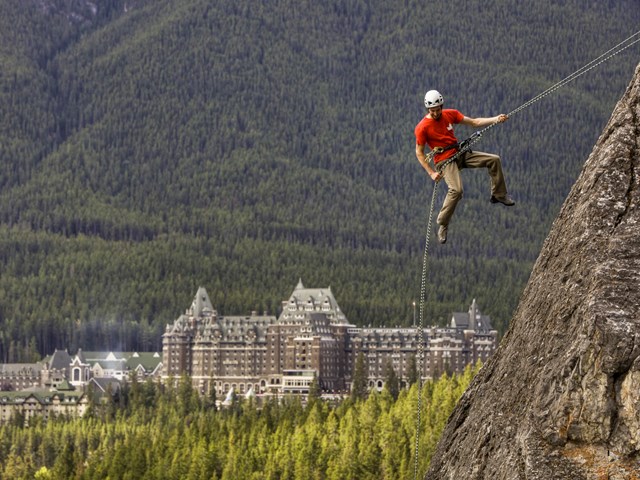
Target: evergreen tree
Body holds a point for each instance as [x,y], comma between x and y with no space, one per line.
[110,400]
[18,418]
[187,397]
[314,390]
[359,377]
[43,473]
[391,382]
[368,444]
[135,398]
[412,371]
[64,466]
[17,466]
[92,407]
[212,397]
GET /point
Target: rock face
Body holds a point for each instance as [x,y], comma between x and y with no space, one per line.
[560,398]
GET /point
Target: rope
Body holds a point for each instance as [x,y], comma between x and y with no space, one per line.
[581,71]
[464,147]
[420,356]
[612,52]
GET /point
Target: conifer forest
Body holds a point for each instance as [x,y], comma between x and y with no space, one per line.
[173,433]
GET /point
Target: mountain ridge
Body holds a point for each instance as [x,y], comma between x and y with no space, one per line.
[284,129]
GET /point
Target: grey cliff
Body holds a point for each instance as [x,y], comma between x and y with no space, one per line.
[560,398]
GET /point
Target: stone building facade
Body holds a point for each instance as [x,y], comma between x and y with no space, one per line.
[20,376]
[58,384]
[43,404]
[265,354]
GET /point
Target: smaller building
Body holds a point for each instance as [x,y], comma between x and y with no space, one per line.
[57,385]
[297,382]
[20,376]
[83,366]
[26,405]
[469,338]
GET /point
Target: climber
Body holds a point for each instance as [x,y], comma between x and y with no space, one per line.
[436,131]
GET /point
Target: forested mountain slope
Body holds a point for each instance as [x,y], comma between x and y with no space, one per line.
[149,147]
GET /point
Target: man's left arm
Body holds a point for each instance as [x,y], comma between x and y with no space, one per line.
[484,122]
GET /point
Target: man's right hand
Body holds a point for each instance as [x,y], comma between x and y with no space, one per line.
[435,176]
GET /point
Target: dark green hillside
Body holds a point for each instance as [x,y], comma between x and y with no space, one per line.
[243,145]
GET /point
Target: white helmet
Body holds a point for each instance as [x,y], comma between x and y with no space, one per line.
[433,99]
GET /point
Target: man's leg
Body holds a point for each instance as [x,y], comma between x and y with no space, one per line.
[451,176]
[493,165]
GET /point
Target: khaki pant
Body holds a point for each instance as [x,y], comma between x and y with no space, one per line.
[452,177]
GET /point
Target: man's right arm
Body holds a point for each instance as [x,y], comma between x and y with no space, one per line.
[422,158]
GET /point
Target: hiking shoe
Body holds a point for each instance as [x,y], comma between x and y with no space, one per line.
[506,200]
[442,234]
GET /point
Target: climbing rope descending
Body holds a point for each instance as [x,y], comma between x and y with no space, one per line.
[464,147]
[420,356]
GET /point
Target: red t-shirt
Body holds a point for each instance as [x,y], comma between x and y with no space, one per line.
[439,133]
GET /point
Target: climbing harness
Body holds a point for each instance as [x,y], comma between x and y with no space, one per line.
[463,147]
